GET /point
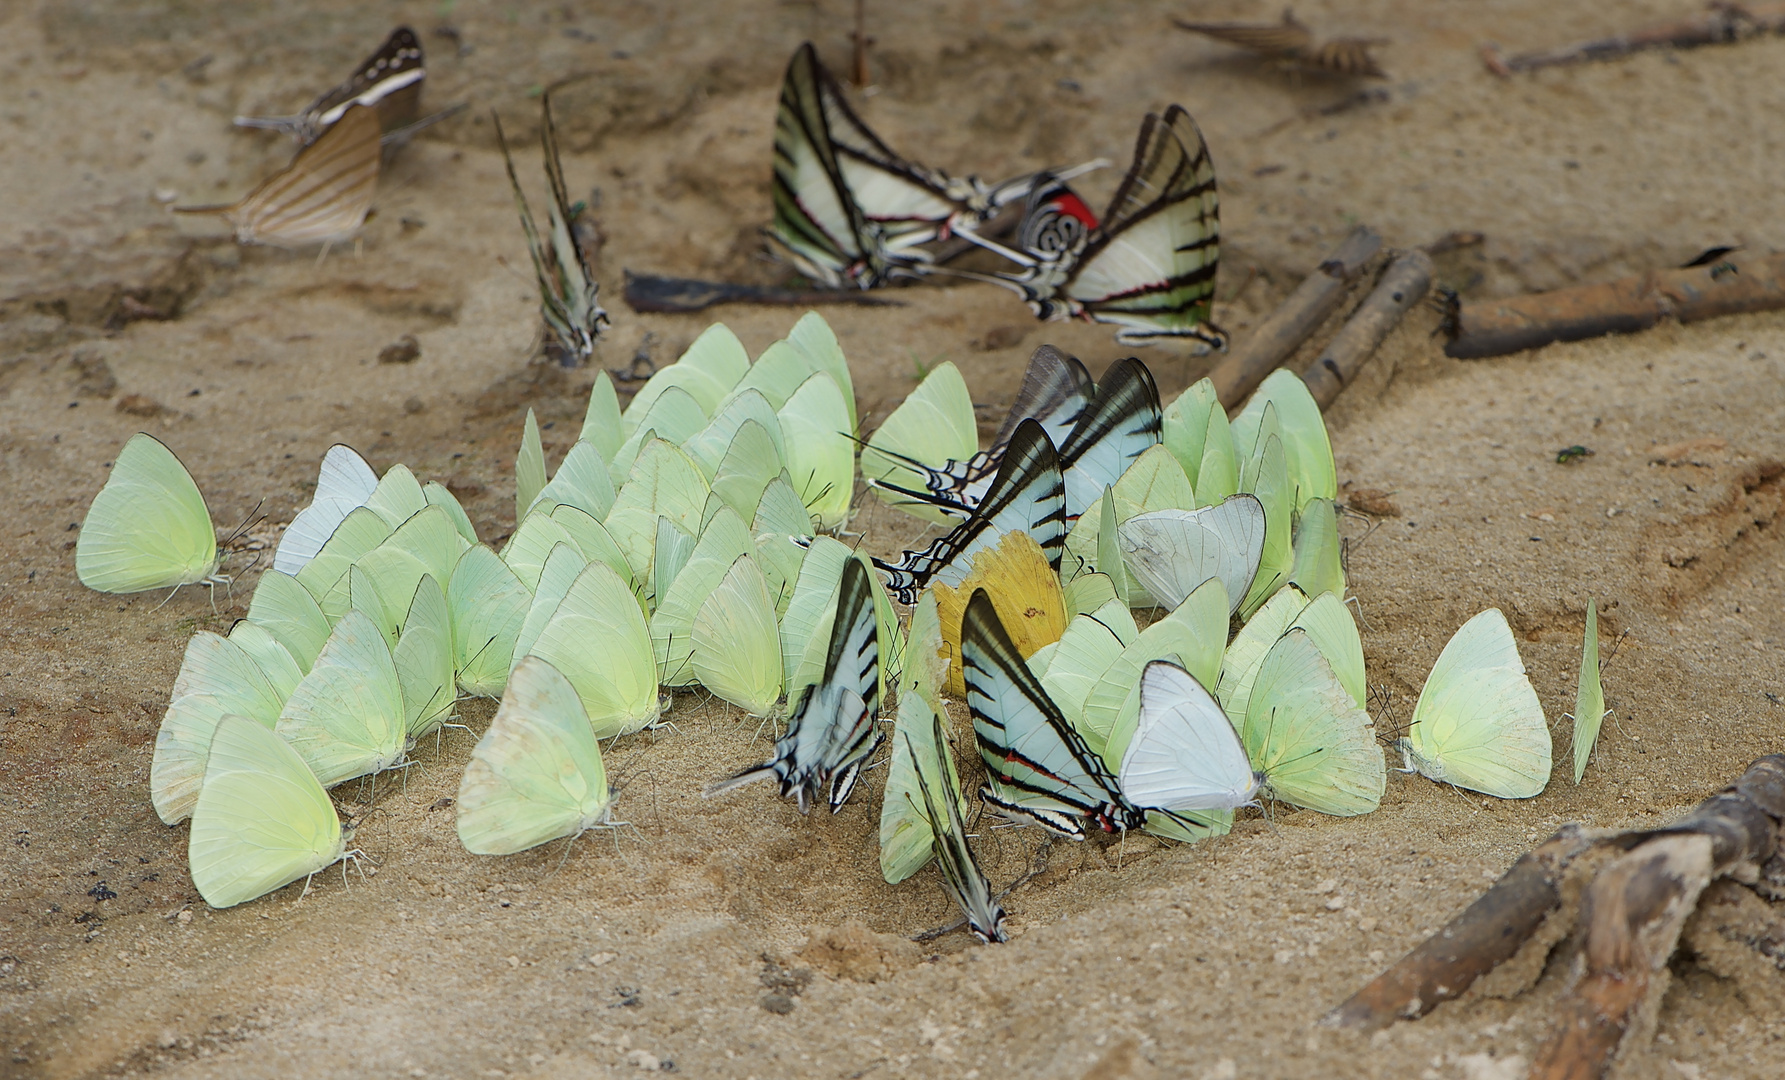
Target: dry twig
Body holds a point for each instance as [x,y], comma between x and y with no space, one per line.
[1273,340]
[1724,22]
[1403,285]
[1726,286]
[1631,917]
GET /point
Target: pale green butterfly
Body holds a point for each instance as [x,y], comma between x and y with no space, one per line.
[736,643]
[427,545]
[562,567]
[217,678]
[529,468]
[777,374]
[272,658]
[674,549]
[1088,592]
[706,372]
[346,718]
[806,619]
[359,533]
[933,426]
[710,444]
[597,638]
[1266,476]
[537,773]
[906,836]
[1305,734]
[437,495]
[672,624]
[488,604]
[664,482]
[1329,625]
[780,516]
[262,819]
[581,481]
[1478,723]
[674,417]
[423,658]
[290,613]
[602,426]
[1195,429]
[751,461]
[1318,567]
[1069,668]
[1109,547]
[815,339]
[1589,699]
[398,496]
[820,450]
[148,527]
[1301,427]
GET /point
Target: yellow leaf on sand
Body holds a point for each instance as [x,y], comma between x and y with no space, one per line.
[1025,592]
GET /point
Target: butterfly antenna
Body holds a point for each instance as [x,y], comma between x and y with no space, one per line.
[1613,654]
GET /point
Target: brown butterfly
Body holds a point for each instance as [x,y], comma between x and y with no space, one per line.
[389,81]
[1292,43]
[321,197]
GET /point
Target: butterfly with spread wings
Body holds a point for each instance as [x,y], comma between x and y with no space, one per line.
[389,82]
[1104,435]
[561,261]
[1148,266]
[849,211]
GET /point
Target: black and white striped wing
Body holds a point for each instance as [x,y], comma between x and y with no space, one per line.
[1037,766]
[1027,495]
[966,882]
[1055,392]
[1122,422]
[1150,267]
[831,732]
[389,81]
[817,219]
[567,287]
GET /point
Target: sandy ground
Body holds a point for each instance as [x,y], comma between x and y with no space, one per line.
[733,938]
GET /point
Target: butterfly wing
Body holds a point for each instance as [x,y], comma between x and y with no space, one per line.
[816,217]
[323,195]
[1589,698]
[488,603]
[1150,267]
[262,819]
[346,718]
[343,484]
[217,678]
[736,643]
[1121,423]
[1478,719]
[598,639]
[820,450]
[1037,766]
[930,435]
[536,774]
[1171,552]
[938,800]
[1184,755]
[1306,734]
[148,528]
[424,660]
[1027,495]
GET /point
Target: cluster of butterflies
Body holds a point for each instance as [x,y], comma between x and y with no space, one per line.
[682,541]
[325,193]
[849,211]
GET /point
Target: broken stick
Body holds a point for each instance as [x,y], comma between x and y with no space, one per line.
[1279,335]
[1403,285]
[1725,22]
[1727,286]
[1631,918]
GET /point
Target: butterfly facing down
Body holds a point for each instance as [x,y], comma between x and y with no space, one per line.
[322,197]
[1291,43]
